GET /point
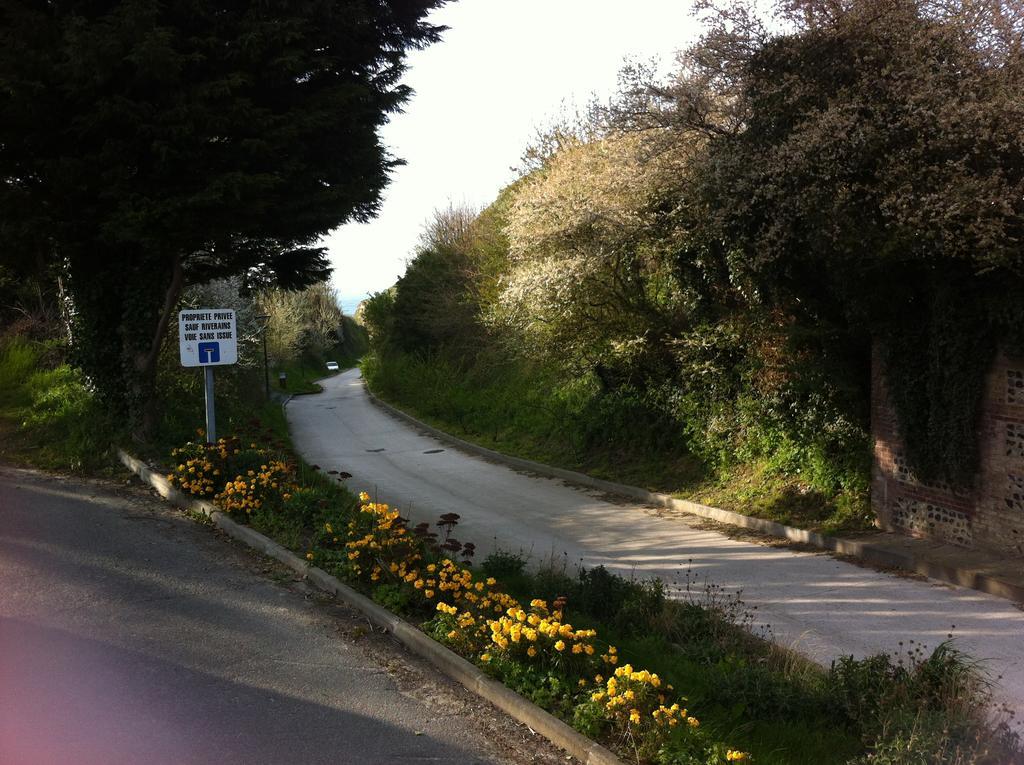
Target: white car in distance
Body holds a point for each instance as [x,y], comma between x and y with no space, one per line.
[332,366]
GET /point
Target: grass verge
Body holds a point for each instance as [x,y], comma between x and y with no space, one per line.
[48,417]
[520,411]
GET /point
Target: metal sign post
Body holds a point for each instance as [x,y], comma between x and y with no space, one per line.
[208,338]
[211,416]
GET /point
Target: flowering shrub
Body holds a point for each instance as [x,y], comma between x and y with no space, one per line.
[358,549]
[201,468]
[637,698]
[268,486]
[540,636]
[206,470]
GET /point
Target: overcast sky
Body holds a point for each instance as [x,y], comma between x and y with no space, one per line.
[504,69]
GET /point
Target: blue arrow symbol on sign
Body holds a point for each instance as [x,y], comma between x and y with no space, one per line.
[209,353]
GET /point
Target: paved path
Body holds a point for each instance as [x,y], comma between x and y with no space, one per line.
[130,634]
[821,606]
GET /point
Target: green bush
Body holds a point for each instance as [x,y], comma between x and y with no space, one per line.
[57,421]
[922,707]
[393,597]
[308,504]
[629,606]
[17,363]
[502,564]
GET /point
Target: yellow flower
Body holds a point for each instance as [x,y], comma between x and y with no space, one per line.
[531,651]
[634,715]
[693,722]
[485,657]
[309,556]
[734,756]
[560,645]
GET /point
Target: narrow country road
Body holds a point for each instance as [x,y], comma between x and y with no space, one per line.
[130,634]
[813,602]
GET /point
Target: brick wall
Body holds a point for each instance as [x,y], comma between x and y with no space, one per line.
[991,515]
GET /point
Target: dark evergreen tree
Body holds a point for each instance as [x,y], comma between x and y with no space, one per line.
[150,144]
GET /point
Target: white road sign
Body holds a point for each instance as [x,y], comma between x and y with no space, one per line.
[208,337]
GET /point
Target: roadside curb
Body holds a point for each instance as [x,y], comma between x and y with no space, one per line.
[865,551]
[447,662]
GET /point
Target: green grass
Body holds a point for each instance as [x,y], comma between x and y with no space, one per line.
[759,491]
[521,410]
[48,416]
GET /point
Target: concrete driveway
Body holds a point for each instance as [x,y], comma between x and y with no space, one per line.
[821,606]
[130,634]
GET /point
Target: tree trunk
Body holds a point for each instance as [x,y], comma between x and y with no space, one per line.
[142,352]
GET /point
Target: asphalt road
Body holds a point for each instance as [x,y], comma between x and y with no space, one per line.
[131,634]
[813,602]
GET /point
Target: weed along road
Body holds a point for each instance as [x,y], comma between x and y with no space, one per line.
[821,606]
[130,634]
